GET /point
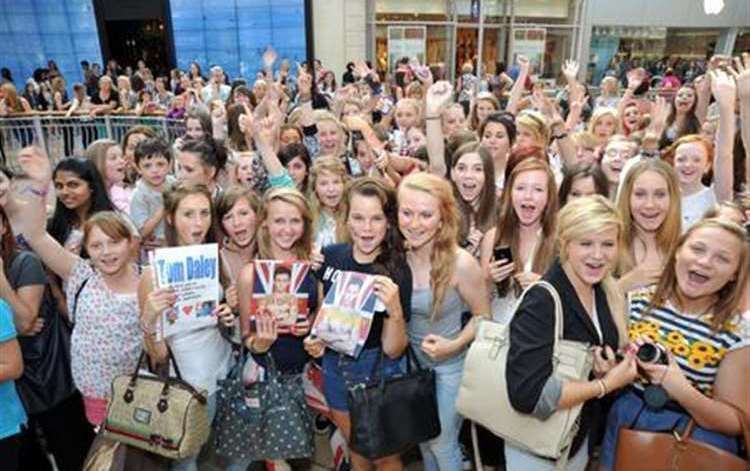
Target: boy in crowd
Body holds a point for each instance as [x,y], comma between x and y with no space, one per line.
[152,158]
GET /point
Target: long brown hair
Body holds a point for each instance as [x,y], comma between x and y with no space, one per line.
[172,198]
[7,242]
[729,296]
[445,242]
[484,216]
[669,232]
[508,222]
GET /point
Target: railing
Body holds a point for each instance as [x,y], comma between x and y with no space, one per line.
[63,136]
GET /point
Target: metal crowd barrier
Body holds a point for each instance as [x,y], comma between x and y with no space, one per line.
[63,136]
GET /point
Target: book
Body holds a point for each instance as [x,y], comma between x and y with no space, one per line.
[276,292]
[193,272]
[345,317]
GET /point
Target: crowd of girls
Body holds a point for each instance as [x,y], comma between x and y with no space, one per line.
[457,201]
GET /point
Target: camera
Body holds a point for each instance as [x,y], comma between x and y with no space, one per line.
[652,353]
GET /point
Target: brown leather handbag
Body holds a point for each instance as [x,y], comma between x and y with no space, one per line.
[639,450]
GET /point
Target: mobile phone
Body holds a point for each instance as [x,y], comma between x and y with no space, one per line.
[503,253]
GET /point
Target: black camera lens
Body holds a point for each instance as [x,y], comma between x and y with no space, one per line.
[651,353]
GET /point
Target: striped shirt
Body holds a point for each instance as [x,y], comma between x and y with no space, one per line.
[697,349]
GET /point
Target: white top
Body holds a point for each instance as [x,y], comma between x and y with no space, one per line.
[695,206]
[203,357]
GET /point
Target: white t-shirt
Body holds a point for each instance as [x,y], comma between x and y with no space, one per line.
[695,206]
[203,357]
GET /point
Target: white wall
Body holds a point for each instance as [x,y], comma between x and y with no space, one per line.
[339,28]
[674,13]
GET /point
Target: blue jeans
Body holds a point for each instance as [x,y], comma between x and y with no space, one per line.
[629,406]
[191,462]
[443,453]
[521,460]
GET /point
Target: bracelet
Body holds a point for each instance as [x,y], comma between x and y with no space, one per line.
[430,118]
[602,388]
[35,192]
[560,136]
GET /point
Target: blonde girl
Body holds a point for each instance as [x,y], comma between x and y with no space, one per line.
[603,124]
[328,176]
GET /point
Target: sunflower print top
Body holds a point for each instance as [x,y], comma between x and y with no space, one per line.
[697,349]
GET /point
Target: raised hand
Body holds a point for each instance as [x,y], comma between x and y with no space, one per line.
[246,122]
[439,95]
[269,57]
[266,333]
[524,64]
[635,79]
[36,166]
[570,70]
[741,74]
[723,88]
[660,110]
[360,69]
[264,133]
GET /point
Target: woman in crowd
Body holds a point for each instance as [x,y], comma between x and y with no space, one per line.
[203,355]
[327,180]
[199,162]
[297,161]
[682,119]
[10,102]
[56,410]
[587,236]
[649,205]
[526,224]
[497,133]
[376,248]
[473,178]
[692,317]
[285,235]
[484,105]
[106,99]
[446,282]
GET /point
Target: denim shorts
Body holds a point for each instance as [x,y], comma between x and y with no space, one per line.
[629,411]
[341,372]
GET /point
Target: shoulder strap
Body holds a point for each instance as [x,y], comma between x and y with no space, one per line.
[75,300]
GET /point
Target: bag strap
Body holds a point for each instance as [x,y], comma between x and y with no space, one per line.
[558,307]
[75,299]
[744,424]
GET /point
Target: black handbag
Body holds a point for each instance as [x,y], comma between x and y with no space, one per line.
[390,415]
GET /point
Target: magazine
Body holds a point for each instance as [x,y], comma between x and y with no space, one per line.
[276,292]
[193,272]
[345,318]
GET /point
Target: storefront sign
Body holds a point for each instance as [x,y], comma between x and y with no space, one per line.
[530,43]
[406,41]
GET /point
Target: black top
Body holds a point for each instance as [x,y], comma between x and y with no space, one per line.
[339,257]
[113,98]
[532,336]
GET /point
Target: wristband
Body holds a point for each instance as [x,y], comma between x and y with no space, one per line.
[560,136]
[602,388]
[429,118]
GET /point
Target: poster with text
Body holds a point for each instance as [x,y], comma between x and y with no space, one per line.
[277,293]
[193,272]
[345,318]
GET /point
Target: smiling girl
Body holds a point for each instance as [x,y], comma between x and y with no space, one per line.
[693,314]
[447,281]
[649,204]
[113,168]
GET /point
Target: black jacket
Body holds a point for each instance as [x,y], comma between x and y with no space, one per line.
[531,342]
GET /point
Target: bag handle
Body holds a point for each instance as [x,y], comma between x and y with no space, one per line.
[410,357]
[744,423]
[558,307]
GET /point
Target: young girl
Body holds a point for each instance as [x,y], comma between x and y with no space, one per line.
[109,161]
[618,150]
[603,124]
[682,119]
[100,292]
[327,179]
[199,162]
[376,248]
[284,234]
[497,133]
[526,224]
[447,281]
[485,105]
[692,314]
[582,180]
[408,115]
[650,208]
[473,178]
[297,161]
[203,356]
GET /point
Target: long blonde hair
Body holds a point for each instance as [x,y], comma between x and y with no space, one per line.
[303,247]
[669,232]
[590,215]
[331,165]
[729,296]
[445,242]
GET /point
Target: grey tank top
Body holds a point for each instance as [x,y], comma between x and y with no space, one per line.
[447,322]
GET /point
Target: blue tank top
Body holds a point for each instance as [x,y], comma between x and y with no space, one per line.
[447,322]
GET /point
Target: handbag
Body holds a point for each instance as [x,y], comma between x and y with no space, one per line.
[651,451]
[483,393]
[266,420]
[389,415]
[160,414]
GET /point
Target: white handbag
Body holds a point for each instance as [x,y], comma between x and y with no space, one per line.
[483,394]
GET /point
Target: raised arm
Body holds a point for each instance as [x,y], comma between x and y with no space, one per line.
[36,165]
[724,91]
[517,91]
[438,96]
[741,73]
